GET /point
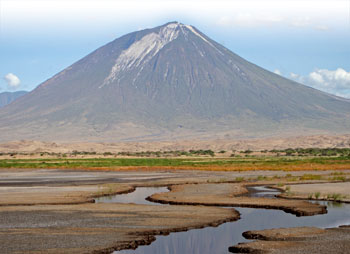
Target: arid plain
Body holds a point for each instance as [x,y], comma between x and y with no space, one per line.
[47,199]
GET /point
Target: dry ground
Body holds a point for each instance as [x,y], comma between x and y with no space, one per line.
[37,214]
[320,141]
[97,228]
[48,195]
[319,191]
[296,240]
[225,194]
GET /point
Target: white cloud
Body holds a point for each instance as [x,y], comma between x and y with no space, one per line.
[315,13]
[312,14]
[316,77]
[12,80]
[294,76]
[322,28]
[256,19]
[331,81]
[278,72]
[225,21]
[301,21]
[249,19]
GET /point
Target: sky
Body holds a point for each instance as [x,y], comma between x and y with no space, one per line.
[304,40]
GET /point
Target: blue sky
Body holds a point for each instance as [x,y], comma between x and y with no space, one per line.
[308,41]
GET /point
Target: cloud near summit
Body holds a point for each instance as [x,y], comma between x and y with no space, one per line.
[331,81]
[12,80]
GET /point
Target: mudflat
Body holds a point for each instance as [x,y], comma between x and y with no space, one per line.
[97,228]
[50,211]
[225,194]
[50,195]
[339,191]
[296,240]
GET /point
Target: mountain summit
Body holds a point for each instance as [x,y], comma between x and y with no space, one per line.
[171,81]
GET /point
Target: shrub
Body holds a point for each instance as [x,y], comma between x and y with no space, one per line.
[336,197]
[317,195]
[239,179]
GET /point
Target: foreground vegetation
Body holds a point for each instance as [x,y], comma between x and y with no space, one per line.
[207,162]
[293,152]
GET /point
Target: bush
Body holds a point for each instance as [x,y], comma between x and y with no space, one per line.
[239,179]
[317,195]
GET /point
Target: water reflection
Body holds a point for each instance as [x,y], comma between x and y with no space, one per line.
[330,204]
[217,240]
[137,197]
[262,191]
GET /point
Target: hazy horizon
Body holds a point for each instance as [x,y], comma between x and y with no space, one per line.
[306,41]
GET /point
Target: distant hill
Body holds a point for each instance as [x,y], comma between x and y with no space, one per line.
[169,82]
[8,97]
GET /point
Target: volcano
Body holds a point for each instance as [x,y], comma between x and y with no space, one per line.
[169,82]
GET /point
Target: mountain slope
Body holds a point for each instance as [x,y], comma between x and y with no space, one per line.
[167,82]
[8,97]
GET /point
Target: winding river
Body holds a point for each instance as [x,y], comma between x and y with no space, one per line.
[218,239]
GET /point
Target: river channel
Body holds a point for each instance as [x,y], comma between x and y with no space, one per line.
[218,239]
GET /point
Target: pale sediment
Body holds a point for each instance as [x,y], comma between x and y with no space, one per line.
[225,194]
[43,218]
[58,195]
[296,240]
[331,191]
[98,228]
